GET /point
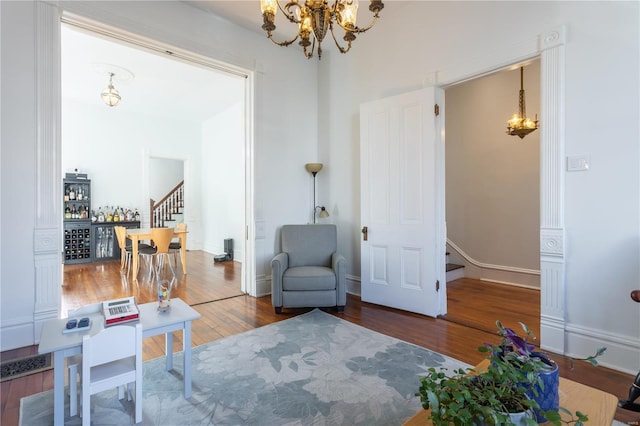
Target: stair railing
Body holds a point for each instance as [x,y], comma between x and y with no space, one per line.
[170,204]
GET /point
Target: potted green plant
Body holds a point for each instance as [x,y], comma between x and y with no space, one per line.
[511,383]
[491,397]
[519,352]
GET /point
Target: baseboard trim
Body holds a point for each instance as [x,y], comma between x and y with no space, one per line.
[16,336]
[530,287]
[621,354]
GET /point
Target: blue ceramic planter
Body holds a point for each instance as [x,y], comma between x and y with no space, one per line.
[548,397]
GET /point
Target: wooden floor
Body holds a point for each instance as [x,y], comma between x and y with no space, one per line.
[479,304]
[214,291]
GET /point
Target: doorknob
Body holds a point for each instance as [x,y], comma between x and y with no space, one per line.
[365,230]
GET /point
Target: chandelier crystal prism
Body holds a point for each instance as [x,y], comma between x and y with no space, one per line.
[520,125]
[315,19]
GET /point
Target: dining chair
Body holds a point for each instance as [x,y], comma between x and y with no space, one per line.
[125,250]
[176,246]
[74,363]
[161,238]
[112,358]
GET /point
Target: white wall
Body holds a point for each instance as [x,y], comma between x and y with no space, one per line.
[280,193]
[17,175]
[223,193]
[414,40]
[112,146]
[164,175]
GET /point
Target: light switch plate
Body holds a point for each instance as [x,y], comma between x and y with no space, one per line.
[578,163]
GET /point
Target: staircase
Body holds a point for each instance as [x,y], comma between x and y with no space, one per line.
[168,211]
[454,271]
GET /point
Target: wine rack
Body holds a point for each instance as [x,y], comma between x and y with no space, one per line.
[77,243]
[77,238]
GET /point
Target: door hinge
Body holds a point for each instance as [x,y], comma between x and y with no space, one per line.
[437,285]
[436,109]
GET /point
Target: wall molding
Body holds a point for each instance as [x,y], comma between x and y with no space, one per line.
[47,232]
[549,45]
[621,350]
[552,191]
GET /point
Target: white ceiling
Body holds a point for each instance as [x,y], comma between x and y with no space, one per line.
[161,86]
[246,13]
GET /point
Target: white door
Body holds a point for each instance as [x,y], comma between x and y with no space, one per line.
[403,240]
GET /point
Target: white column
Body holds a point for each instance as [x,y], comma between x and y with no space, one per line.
[552,244]
[47,231]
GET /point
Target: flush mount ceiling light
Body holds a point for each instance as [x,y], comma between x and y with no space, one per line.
[315,19]
[110,95]
[520,125]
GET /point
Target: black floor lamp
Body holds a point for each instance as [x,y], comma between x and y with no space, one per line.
[314,168]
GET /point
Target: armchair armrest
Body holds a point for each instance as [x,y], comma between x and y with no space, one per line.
[279,264]
[339,266]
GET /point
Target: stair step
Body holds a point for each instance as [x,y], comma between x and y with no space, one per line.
[453,267]
[454,272]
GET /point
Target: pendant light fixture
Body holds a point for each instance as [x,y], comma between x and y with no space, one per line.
[110,95]
[520,125]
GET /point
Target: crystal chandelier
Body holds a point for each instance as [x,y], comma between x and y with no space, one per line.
[315,19]
[520,125]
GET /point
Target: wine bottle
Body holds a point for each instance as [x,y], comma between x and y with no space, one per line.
[72,193]
[116,215]
[67,212]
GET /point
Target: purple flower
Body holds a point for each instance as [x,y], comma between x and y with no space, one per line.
[519,344]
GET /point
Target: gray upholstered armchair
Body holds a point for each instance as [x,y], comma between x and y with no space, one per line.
[308,272]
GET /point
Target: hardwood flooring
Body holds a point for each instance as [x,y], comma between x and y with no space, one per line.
[214,291]
[479,304]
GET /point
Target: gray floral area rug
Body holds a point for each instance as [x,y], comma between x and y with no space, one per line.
[314,369]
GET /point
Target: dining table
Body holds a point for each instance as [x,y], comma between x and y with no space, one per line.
[138,234]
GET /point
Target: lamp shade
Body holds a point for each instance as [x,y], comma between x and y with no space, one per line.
[313,167]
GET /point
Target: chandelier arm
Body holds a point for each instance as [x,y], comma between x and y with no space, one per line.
[309,53]
[282,43]
[335,40]
[357,30]
[286,11]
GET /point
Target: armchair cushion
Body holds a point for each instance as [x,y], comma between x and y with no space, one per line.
[303,278]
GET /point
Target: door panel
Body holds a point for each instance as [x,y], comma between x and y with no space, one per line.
[399,191]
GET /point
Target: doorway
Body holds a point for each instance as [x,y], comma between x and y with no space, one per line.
[492,195]
[115,145]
